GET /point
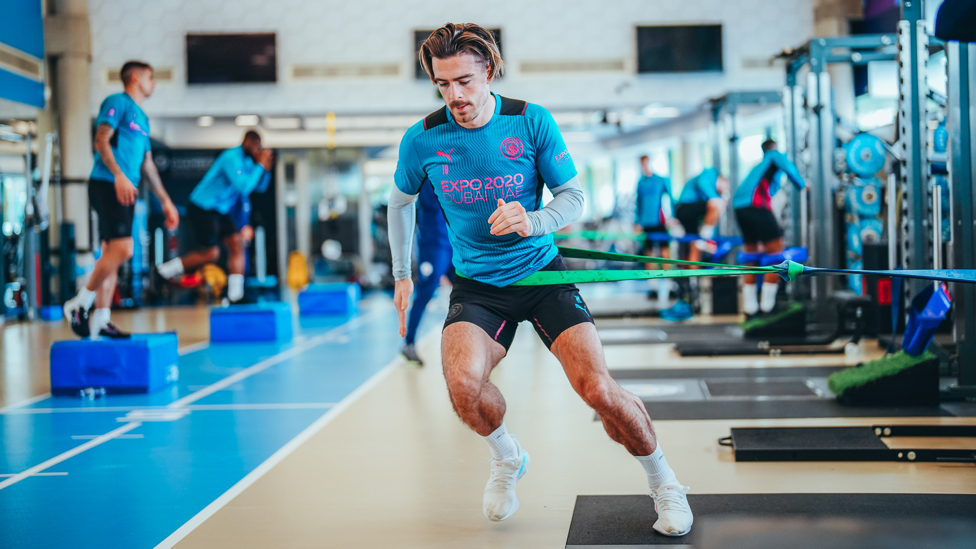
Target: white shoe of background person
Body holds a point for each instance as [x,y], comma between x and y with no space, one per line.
[674,517]
[500,501]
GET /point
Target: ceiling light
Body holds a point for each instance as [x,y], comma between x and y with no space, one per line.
[247,120]
[205,121]
[654,111]
[285,123]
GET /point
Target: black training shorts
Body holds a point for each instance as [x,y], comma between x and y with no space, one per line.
[498,311]
[114,219]
[648,246]
[210,227]
[758,225]
[691,215]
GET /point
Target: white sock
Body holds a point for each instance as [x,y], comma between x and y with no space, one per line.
[749,301]
[663,293]
[85,297]
[657,469]
[171,269]
[769,290]
[707,231]
[235,287]
[100,317]
[501,444]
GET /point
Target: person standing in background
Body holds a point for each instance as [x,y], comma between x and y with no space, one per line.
[123,158]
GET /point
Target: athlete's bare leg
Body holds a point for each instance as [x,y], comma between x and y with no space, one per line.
[469,355]
[623,414]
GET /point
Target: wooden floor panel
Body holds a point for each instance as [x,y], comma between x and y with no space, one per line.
[398,469]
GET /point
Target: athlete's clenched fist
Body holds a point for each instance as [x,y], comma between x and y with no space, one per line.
[510,218]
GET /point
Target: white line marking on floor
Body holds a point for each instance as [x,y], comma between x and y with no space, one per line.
[192,407]
[276,359]
[281,454]
[120,437]
[193,348]
[193,397]
[69,454]
[37,475]
[25,403]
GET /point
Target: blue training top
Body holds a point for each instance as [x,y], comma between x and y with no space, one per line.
[232,175]
[430,221]
[649,211]
[509,158]
[131,140]
[763,181]
[700,188]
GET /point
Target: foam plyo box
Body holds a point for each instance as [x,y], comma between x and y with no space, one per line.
[143,364]
[269,321]
[326,299]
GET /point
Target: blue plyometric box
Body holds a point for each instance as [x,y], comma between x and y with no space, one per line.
[326,299]
[142,364]
[268,321]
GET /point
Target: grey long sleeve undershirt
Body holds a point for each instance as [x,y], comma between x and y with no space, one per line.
[565,207]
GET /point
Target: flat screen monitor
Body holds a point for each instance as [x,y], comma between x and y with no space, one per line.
[421,35]
[679,48]
[230,58]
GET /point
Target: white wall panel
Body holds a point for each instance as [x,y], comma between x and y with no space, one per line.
[380,31]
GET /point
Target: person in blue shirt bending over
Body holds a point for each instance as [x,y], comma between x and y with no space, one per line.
[753,205]
[237,172]
[434,260]
[123,158]
[487,159]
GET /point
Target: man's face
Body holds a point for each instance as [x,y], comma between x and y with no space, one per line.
[645,164]
[252,147]
[463,82]
[145,81]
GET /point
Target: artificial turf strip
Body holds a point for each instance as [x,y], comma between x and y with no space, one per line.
[763,321]
[841,381]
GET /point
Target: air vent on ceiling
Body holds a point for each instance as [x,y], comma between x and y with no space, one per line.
[160,74]
[320,72]
[18,62]
[579,65]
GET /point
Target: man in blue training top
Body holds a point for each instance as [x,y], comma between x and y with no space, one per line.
[699,209]
[753,205]
[123,158]
[653,215]
[237,172]
[487,158]
[434,261]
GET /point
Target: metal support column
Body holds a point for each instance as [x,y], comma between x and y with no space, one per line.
[912,121]
[823,180]
[961,123]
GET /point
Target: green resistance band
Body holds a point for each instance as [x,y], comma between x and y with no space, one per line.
[787,270]
[546,278]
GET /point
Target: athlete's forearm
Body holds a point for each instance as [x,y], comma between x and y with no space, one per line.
[155,182]
[103,147]
[401,216]
[565,207]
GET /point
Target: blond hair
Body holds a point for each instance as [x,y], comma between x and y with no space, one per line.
[456,38]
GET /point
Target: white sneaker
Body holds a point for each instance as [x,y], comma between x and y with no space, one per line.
[674,516]
[500,501]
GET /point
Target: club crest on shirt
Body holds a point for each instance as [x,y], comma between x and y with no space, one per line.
[562,158]
[512,147]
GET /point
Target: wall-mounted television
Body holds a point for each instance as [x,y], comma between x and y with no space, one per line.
[231,58]
[421,35]
[679,48]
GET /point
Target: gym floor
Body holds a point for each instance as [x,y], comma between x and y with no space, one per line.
[332,441]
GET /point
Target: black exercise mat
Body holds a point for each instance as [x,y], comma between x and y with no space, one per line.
[776,409]
[729,405]
[627,520]
[726,373]
[670,333]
